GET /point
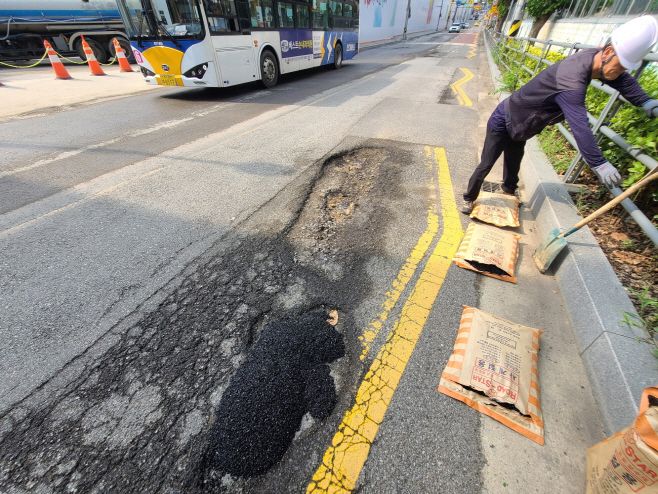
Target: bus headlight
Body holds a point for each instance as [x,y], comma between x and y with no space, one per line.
[146,72]
[197,72]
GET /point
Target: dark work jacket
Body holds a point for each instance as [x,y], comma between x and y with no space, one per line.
[559,91]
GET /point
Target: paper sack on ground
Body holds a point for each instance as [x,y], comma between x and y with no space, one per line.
[490,251]
[497,209]
[628,461]
[493,368]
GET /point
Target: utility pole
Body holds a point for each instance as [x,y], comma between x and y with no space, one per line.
[406,20]
[440,12]
[448,16]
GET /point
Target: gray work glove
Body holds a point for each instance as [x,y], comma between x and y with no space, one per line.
[607,174]
[651,108]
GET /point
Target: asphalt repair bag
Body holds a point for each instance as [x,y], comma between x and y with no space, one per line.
[490,251]
[497,209]
[493,368]
[628,461]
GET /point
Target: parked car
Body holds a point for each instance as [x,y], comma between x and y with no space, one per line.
[476,24]
[462,25]
[466,25]
[455,27]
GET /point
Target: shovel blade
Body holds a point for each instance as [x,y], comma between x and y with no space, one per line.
[548,250]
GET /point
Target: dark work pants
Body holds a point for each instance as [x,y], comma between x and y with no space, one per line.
[495,144]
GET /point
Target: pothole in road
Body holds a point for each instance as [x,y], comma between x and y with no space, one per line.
[138,419]
[447,95]
[340,208]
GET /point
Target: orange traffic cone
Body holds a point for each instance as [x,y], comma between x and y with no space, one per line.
[121,57]
[91,59]
[60,70]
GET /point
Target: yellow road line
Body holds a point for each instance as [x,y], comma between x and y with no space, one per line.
[344,459]
[459,92]
[475,45]
[410,265]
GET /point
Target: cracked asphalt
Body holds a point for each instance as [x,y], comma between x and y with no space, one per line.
[147,241]
[146,404]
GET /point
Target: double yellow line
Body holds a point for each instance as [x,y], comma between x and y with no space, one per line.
[473,51]
[459,92]
[344,459]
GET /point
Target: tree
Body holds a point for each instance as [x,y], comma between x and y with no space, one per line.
[503,7]
[540,11]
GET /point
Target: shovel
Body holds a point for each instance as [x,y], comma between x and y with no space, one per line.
[555,242]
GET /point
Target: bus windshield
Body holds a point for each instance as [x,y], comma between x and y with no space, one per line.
[161,18]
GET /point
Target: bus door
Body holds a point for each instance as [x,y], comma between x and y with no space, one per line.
[285,11]
[230,28]
[303,25]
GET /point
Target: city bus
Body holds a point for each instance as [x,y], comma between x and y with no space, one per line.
[221,43]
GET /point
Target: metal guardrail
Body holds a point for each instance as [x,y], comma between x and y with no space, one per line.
[600,126]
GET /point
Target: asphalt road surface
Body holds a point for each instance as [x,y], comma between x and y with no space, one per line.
[147,241]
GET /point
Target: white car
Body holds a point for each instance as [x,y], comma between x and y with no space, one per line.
[455,27]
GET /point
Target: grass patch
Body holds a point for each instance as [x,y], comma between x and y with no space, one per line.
[557,148]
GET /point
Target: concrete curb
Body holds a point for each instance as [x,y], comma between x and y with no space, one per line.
[618,359]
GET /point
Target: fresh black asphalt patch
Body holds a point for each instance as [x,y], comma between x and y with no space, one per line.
[285,376]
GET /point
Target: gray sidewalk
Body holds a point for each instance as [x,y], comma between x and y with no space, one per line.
[29,90]
[618,360]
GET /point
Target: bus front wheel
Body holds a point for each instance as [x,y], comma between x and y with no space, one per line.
[338,57]
[269,69]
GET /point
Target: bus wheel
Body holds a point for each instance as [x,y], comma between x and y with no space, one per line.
[269,69]
[338,57]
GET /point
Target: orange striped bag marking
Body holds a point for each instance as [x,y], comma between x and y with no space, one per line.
[628,461]
[494,362]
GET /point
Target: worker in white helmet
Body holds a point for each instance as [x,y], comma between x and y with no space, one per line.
[558,93]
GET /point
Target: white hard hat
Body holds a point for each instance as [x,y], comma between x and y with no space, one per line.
[633,40]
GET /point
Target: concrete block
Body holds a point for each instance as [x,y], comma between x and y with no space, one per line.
[617,369]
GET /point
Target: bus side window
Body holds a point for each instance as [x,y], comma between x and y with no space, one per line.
[268,13]
[302,16]
[286,18]
[261,13]
[244,16]
[221,8]
[222,16]
[320,14]
[256,13]
[336,8]
[223,25]
[347,9]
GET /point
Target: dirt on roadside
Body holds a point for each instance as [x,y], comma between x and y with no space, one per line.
[632,255]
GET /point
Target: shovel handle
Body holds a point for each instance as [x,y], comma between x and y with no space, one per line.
[607,207]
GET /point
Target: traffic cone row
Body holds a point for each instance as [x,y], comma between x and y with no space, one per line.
[91,59]
[58,66]
[62,73]
[121,57]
